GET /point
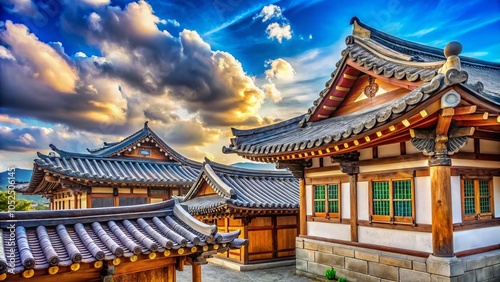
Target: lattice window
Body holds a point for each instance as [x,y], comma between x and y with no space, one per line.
[392,201]
[327,200]
[477,201]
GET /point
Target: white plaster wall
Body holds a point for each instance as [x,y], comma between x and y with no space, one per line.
[410,240]
[423,199]
[402,165]
[345,200]
[363,208]
[456,201]
[329,230]
[309,195]
[489,147]
[476,163]
[476,238]
[410,149]
[388,150]
[469,146]
[366,154]
[496,195]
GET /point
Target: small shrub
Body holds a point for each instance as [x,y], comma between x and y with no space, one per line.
[330,273]
[342,279]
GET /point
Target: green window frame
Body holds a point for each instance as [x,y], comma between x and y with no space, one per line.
[477,198]
[392,200]
[326,200]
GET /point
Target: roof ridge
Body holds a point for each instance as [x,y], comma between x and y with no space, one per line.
[415,46]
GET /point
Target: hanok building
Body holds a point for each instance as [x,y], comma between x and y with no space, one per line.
[140,169]
[399,164]
[263,205]
[139,243]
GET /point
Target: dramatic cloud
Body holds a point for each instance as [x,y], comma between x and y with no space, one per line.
[279,32]
[268,12]
[272,92]
[21,7]
[5,119]
[45,65]
[280,69]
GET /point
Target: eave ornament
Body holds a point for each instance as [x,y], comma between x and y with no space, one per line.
[349,162]
[295,167]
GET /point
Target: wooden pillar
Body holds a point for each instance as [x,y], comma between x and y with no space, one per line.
[196,272]
[442,221]
[302,208]
[171,273]
[353,186]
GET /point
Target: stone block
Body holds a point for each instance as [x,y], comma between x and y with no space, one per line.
[317,269]
[439,278]
[445,266]
[356,265]
[413,276]
[470,276]
[366,256]
[492,259]
[299,244]
[496,270]
[476,263]
[343,252]
[301,265]
[419,266]
[355,276]
[310,245]
[484,273]
[383,271]
[304,254]
[399,262]
[325,249]
[329,259]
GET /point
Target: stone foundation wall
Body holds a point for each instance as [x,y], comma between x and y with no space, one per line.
[313,257]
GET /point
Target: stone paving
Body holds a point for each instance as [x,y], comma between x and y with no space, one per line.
[215,273]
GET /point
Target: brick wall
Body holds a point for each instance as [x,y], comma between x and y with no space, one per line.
[360,264]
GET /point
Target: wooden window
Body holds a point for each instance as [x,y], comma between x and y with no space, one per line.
[327,200]
[102,202]
[477,198]
[392,201]
[132,201]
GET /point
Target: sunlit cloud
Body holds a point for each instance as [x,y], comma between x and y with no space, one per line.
[269,12]
[279,32]
[279,69]
[5,119]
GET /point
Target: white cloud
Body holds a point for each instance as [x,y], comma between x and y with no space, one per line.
[96,2]
[21,7]
[280,69]
[280,32]
[422,32]
[42,61]
[173,22]
[272,92]
[80,55]
[268,12]
[5,119]
[6,54]
[310,36]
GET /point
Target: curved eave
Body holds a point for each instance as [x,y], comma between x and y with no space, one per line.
[369,138]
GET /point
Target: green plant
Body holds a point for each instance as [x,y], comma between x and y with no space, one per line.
[330,273]
[342,279]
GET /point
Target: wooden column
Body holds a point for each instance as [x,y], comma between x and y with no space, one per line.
[302,208]
[196,272]
[442,222]
[349,165]
[353,186]
[171,273]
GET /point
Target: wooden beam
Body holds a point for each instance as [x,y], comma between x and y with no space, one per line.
[444,121]
[484,122]
[465,110]
[302,206]
[482,116]
[462,131]
[353,181]
[442,223]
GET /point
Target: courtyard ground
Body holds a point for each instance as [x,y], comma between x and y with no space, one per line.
[215,273]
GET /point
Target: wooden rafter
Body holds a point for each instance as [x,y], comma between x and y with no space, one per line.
[444,121]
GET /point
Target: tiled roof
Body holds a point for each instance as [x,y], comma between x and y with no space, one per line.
[126,170]
[334,129]
[243,188]
[144,134]
[384,55]
[62,238]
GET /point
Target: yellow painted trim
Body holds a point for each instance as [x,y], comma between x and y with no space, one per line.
[336,148]
[53,269]
[343,89]
[335,98]
[153,255]
[98,264]
[75,267]
[166,253]
[117,261]
[379,133]
[392,128]
[346,145]
[367,138]
[28,273]
[406,122]
[133,258]
[351,77]
[329,108]
[423,113]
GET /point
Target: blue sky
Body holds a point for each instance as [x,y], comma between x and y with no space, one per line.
[76,73]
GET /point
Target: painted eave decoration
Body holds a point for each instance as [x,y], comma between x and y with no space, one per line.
[64,241]
[425,72]
[242,189]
